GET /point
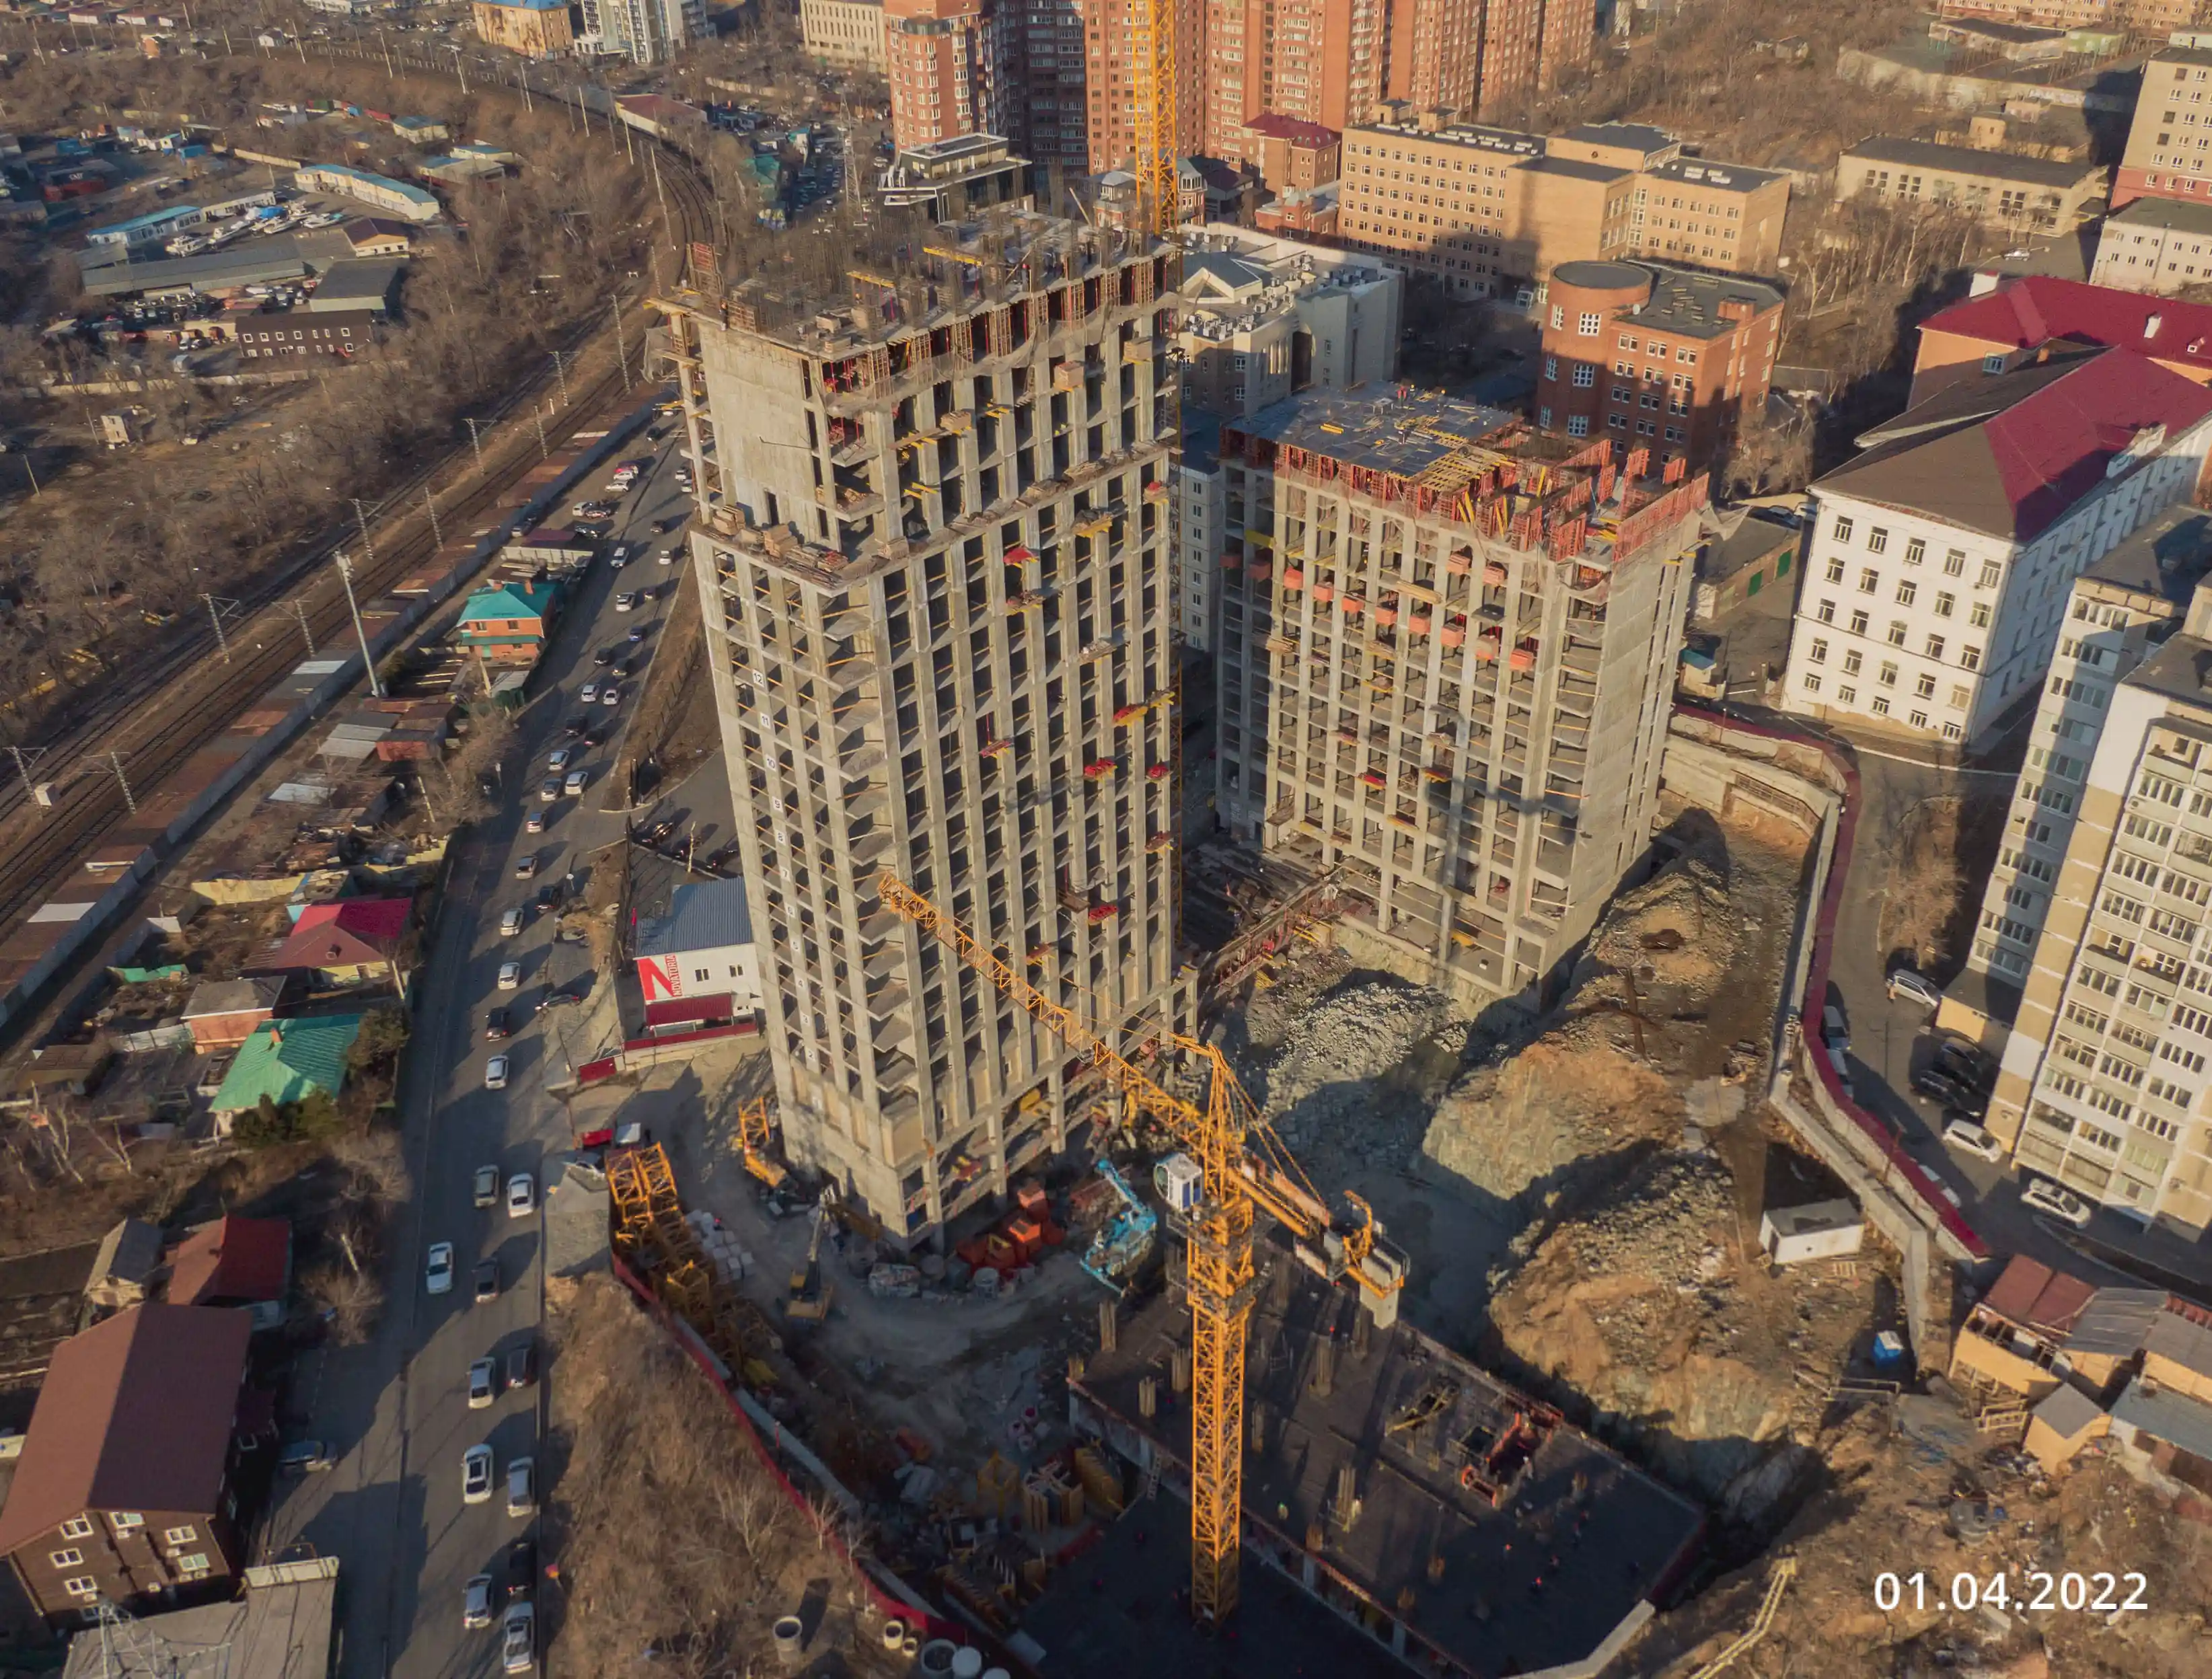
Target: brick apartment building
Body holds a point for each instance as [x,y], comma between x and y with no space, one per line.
[1656,358]
[123,1493]
[1291,154]
[1486,211]
[948,63]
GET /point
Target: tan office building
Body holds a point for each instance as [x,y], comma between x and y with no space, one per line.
[2022,194]
[843,32]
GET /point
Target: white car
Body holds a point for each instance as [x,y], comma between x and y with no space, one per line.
[610,695]
[2045,1197]
[522,1195]
[476,1475]
[668,556]
[519,1651]
[1974,1139]
[589,693]
[483,1384]
[548,789]
[521,1486]
[510,923]
[510,975]
[495,1073]
[1914,987]
[574,785]
[536,824]
[625,601]
[438,1274]
[620,556]
[560,757]
[476,1601]
[484,1190]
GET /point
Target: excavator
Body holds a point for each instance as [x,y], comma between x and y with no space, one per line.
[811,1291]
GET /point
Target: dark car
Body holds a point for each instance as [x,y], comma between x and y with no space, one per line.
[487,1278]
[575,726]
[521,1366]
[637,635]
[496,1026]
[1940,1086]
[623,671]
[604,656]
[557,999]
[521,1569]
[1964,1065]
[661,527]
[597,733]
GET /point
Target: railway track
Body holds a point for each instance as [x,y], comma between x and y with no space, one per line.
[181,699]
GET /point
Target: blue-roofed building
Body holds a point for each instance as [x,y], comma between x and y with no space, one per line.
[409,203]
[698,965]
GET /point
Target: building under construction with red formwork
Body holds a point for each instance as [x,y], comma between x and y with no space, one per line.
[1463,1526]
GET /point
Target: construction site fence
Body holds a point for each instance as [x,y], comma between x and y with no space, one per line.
[1869,1138]
[890,1595]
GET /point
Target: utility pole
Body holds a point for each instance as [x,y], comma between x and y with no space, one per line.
[390,75]
[299,611]
[122,780]
[361,518]
[539,415]
[476,437]
[430,506]
[214,616]
[560,372]
[622,355]
[23,767]
[367,659]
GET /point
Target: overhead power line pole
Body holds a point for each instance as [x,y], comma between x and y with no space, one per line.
[367,659]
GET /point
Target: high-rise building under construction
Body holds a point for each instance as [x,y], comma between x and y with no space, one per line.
[933,546]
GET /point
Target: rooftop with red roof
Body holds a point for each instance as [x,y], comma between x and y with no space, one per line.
[2030,1294]
[231,1262]
[1274,125]
[2040,309]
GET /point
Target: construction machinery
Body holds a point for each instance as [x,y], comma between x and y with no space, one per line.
[756,1138]
[1243,1170]
[1125,1241]
[810,1290]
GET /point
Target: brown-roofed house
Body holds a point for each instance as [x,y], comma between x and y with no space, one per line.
[371,236]
[125,1490]
[355,941]
[2012,1336]
[223,1013]
[236,1262]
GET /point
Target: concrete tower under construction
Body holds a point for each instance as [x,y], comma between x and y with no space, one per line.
[933,544]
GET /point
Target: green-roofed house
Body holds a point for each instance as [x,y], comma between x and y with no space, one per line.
[285,1060]
[509,622]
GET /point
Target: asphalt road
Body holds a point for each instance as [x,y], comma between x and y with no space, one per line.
[396,1409]
[1890,1040]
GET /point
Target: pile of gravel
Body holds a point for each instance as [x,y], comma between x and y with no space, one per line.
[1350,1073]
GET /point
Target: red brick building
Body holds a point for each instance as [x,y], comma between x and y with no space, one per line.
[949,67]
[1656,358]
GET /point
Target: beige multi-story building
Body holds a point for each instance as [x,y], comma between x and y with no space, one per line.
[2155,245]
[2105,1076]
[2169,149]
[933,542]
[1264,318]
[1446,656]
[533,28]
[1485,210]
[843,32]
[2021,194]
[2119,611]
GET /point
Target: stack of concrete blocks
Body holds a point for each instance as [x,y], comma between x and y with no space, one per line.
[719,1243]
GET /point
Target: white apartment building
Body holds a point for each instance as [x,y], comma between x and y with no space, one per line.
[2155,245]
[2114,1044]
[2121,609]
[1943,558]
[844,32]
[1199,528]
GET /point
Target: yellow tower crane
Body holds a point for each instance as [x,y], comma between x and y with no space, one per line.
[1248,1171]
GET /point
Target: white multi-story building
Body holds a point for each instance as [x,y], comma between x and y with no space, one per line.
[2121,609]
[1200,528]
[2104,1078]
[1941,560]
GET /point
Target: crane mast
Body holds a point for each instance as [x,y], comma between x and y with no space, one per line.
[1247,1170]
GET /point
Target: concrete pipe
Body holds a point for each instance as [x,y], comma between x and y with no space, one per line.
[936,1659]
[966,1663]
[789,1632]
[894,1635]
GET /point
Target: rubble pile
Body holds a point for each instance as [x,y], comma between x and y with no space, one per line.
[1638,1298]
[1677,931]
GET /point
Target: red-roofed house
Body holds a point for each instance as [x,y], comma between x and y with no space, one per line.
[352,941]
[2003,330]
[1942,559]
[236,1262]
[1290,152]
[2010,1340]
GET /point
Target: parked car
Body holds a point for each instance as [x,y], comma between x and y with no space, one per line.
[475,1601]
[1969,1066]
[1940,1086]
[522,1195]
[487,1280]
[304,1458]
[485,1187]
[510,975]
[1974,1139]
[521,1366]
[495,1073]
[521,1486]
[438,1273]
[484,1386]
[476,1475]
[521,1569]
[1834,1032]
[510,922]
[496,1026]
[519,1642]
[1914,987]
[2045,1197]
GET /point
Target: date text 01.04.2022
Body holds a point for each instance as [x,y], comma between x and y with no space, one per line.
[2032,1592]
